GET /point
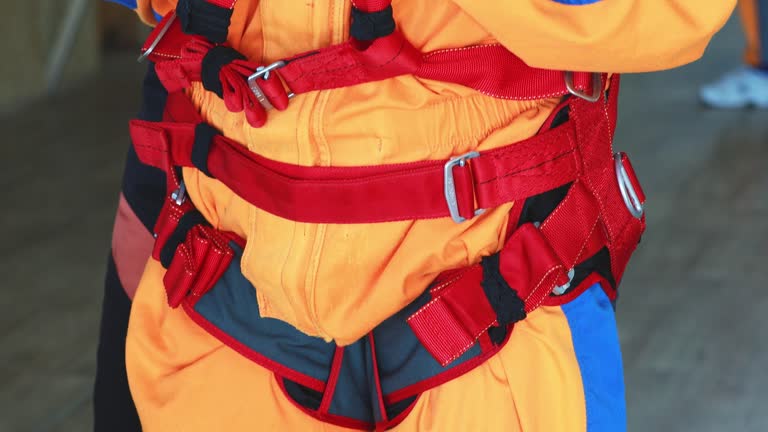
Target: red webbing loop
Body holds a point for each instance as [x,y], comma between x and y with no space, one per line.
[197,265]
[167,221]
[362,194]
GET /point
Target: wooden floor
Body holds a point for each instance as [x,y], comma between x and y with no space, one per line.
[693,305]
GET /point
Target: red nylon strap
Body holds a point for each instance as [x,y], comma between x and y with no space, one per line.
[489,69]
[198,263]
[371,5]
[533,261]
[459,312]
[363,194]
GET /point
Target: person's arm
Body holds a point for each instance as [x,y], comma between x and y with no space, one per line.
[602,35]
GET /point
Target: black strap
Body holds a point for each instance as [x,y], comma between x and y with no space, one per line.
[218,57]
[367,26]
[201,18]
[186,223]
[509,307]
[204,134]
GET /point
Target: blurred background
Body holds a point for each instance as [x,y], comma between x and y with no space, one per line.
[692,313]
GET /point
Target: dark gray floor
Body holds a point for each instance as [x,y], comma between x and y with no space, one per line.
[691,315]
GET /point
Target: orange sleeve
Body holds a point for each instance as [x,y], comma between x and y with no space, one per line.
[147,8]
[603,35]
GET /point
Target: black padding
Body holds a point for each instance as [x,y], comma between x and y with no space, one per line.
[218,57]
[538,207]
[509,307]
[204,134]
[304,396]
[186,223]
[367,26]
[561,117]
[599,263]
[201,18]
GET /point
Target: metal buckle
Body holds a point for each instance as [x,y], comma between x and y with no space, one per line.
[180,194]
[561,289]
[597,87]
[449,185]
[263,73]
[159,37]
[627,189]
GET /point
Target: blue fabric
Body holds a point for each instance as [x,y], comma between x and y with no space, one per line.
[353,395]
[762,31]
[132,4]
[127,3]
[576,2]
[231,305]
[596,343]
[405,361]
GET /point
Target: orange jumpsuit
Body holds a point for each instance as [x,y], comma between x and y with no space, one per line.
[560,371]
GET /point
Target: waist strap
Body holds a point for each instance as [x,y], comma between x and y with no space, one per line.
[459,187]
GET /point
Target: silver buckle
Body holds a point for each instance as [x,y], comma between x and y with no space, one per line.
[159,37]
[597,87]
[561,289]
[627,189]
[180,194]
[449,185]
[263,73]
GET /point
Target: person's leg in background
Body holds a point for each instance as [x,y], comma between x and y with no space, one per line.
[141,197]
[746,86]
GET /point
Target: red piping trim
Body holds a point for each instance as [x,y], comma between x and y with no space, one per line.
[324,417]
[333,379]
[443,377]
[377,380]
[305,380]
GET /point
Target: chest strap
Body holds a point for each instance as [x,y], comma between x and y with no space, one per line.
[253,88]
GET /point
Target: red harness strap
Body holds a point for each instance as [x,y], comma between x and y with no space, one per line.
[538,261]
[250,87]
[365,194]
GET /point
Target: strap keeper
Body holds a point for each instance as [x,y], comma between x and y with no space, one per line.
[215,59]
[367,26]
[204,134]
[198,17]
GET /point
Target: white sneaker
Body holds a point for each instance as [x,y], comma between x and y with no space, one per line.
[742,88]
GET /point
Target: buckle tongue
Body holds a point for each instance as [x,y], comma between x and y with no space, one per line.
[449,185]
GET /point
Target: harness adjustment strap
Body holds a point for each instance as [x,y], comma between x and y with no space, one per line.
[460,311]
[209,19]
